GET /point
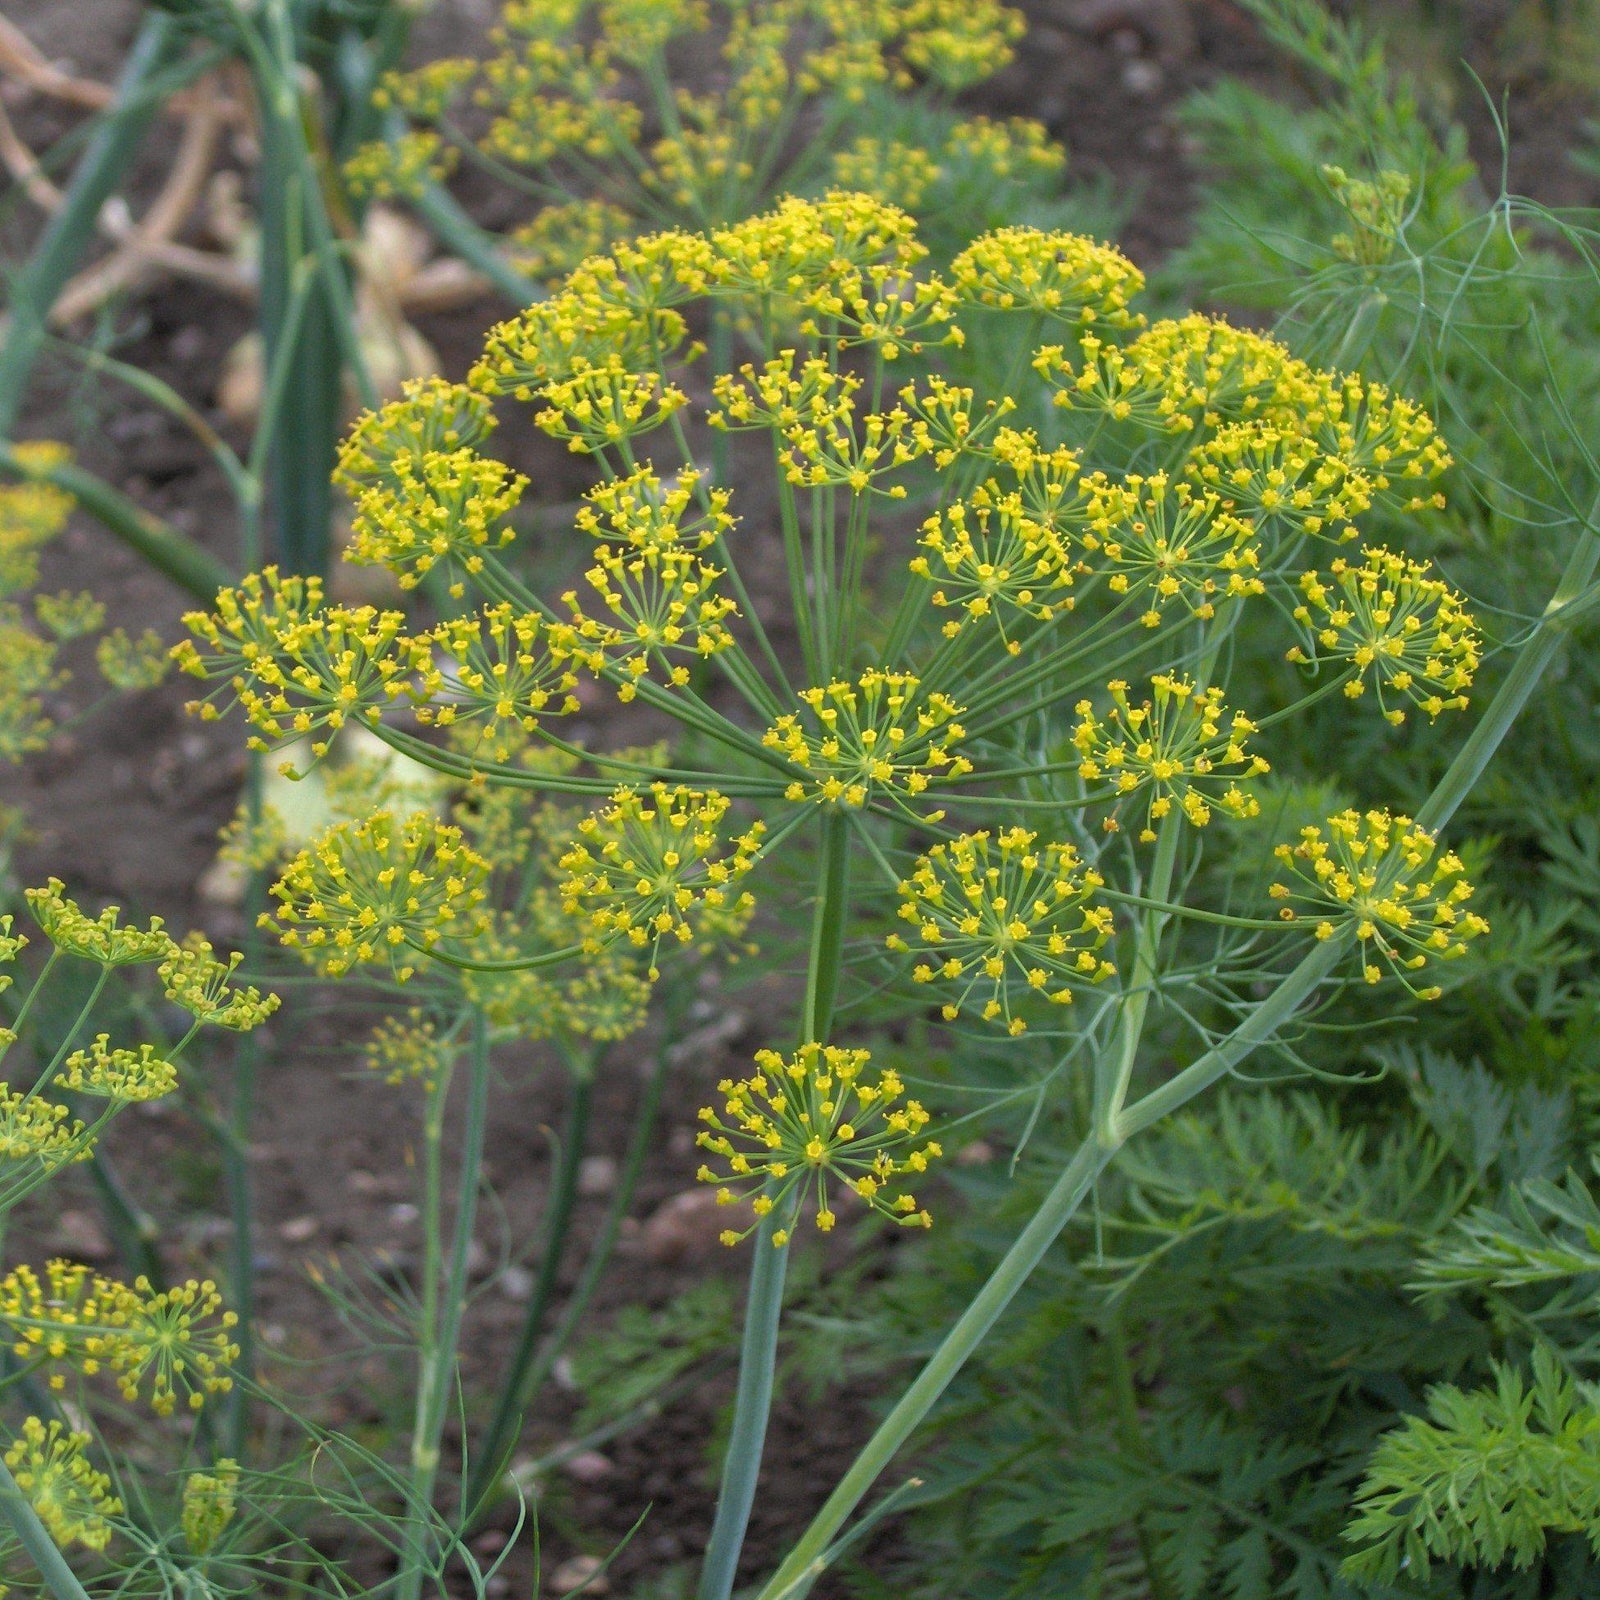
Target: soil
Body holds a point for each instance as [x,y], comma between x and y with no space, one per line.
[127,801]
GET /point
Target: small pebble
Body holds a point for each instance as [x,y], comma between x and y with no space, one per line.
[298,1229]
[689,1227]
[515,1282]
[579,1572]
[403,1214]
[597,1175]
[589,1466]
[1142,78]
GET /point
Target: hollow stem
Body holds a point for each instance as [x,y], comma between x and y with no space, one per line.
[758,1350]
[444,1294]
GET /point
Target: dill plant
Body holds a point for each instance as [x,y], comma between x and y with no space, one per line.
[965,554]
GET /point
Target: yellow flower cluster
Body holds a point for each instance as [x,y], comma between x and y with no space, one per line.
[103,939]
[1385,436]
[170,1340]
[607,999]
[405,1050]
[36,1131]
[29,673]
[440,506]
[1006,919]
[879,733]
[654,865]
[380,890]
[1181,745]
[32,513]
[73,1498]
[379,170]
[1371,871]
[562,83]
[990,557]
[1391,622]
[501,672]
[1277,477]
[210,1502]
[193,978]
[661,595]
[1017,147]
[1063,276]
[118,1075]
[902,173]
[127,663]
[1168,543]
[561,236]
[799,1125]
[68,615]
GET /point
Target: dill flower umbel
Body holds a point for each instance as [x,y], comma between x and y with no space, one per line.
[121,1075]
[1168,543]
[32,513]
[1406,631]
[501,673]
[103,939]
[1005,918]
[170,1341]
[193,978]
[1281,479]
[35,1130]
[73,1499]
[990,558]
[653,865]
[879,733]
[1182,745]
[800,1124]
[1059,275]
[406,1050]
[379,890]
[438,507]
[1377,873]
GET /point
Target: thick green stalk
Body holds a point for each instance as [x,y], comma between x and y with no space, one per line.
[809,1556]
[758,1352]
[306,431]
[190,566]
[36,1541]
[515,1390]
[441,1331]
[758,1356]
[807,1560]
[66,236]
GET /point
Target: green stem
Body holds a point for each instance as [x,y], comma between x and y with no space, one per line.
[1114,1070]
[758,1355]
[758,1352]
[109,154]
[805,1562]
[438,1363]
[35,1539]
[516,1391]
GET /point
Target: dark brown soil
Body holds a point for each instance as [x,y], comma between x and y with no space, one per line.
[126,803]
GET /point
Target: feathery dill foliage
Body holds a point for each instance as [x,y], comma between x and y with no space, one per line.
[606,115]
